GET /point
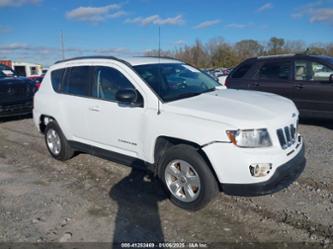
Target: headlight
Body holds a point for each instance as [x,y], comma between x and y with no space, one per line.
[250,138]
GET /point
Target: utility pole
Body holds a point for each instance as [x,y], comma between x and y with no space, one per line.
[159,41]
[62,45]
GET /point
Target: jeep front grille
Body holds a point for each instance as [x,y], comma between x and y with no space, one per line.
[287,136]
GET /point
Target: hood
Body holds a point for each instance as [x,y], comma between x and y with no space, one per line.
[239,108]
[14,79]
[13,89]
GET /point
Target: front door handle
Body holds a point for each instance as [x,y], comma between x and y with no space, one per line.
[94,109]
[299,86]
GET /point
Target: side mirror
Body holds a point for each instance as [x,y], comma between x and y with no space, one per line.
[129,97]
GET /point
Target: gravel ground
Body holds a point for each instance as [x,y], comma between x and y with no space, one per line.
[88,199]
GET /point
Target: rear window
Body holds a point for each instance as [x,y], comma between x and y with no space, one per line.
[275,71]
[241,71]
[56,79]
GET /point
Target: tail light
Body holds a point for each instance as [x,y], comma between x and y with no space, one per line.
[227,83]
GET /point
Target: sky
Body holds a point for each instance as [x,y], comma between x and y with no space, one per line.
[30,30]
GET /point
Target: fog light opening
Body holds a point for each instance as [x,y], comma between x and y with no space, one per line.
[260,169]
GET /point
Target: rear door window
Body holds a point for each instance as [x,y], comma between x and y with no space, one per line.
[275,71]
[78,81]
[241,71]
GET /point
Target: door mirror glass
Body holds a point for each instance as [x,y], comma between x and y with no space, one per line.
[129,97]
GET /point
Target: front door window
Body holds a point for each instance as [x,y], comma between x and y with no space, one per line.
[312,71]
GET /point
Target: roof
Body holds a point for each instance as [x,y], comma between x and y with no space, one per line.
[132,61]
[141,60]
[276,56]
[279,56]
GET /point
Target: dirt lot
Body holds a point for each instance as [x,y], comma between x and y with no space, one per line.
[90,199]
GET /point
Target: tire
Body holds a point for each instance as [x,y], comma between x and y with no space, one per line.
[198,177]
[62,151]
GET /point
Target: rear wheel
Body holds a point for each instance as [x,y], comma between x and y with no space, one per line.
[187,177]
[56,142]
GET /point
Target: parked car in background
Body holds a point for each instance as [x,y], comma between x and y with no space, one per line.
[44,70]
[16,93]
[37,79]
[169,117]
[222,79]
[24,69]
[218,74]
[212,74]
[306,79]
[222,75]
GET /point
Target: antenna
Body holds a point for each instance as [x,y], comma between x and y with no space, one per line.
[159,68]
[62,45]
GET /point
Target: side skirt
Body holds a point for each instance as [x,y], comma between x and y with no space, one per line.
[113,156]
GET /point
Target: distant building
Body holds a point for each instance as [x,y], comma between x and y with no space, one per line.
[24,68]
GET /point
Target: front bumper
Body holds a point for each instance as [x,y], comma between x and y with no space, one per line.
[283,177]
[16,109]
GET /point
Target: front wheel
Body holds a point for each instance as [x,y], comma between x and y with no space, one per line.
[187,178]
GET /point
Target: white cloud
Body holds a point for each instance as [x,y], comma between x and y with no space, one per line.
[238,25]
[265,7]
[118,14]
[315,13]
[111,51]
[207,24]
[157,20]
[95,14]
[14,46]
[16,3]
[180,43]
[322,15]
[48,55]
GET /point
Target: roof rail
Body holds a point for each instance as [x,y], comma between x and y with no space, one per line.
[156,56]
[275,56]
[94,57]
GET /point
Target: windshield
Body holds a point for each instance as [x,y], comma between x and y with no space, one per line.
[176,81]
[6,71]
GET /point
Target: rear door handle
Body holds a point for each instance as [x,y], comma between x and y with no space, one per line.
[94,109]
[256,84]
[299,86]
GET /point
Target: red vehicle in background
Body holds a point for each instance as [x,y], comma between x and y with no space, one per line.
[37,80]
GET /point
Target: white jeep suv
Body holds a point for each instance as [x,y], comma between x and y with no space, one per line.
[169,117]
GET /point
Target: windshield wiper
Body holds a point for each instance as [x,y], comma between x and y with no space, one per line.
[210,90]
[185,95]
[190,94]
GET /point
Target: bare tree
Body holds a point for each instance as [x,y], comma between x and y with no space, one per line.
[329,49]
[248,48]
[275,46]
[219,53]
[294,47]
